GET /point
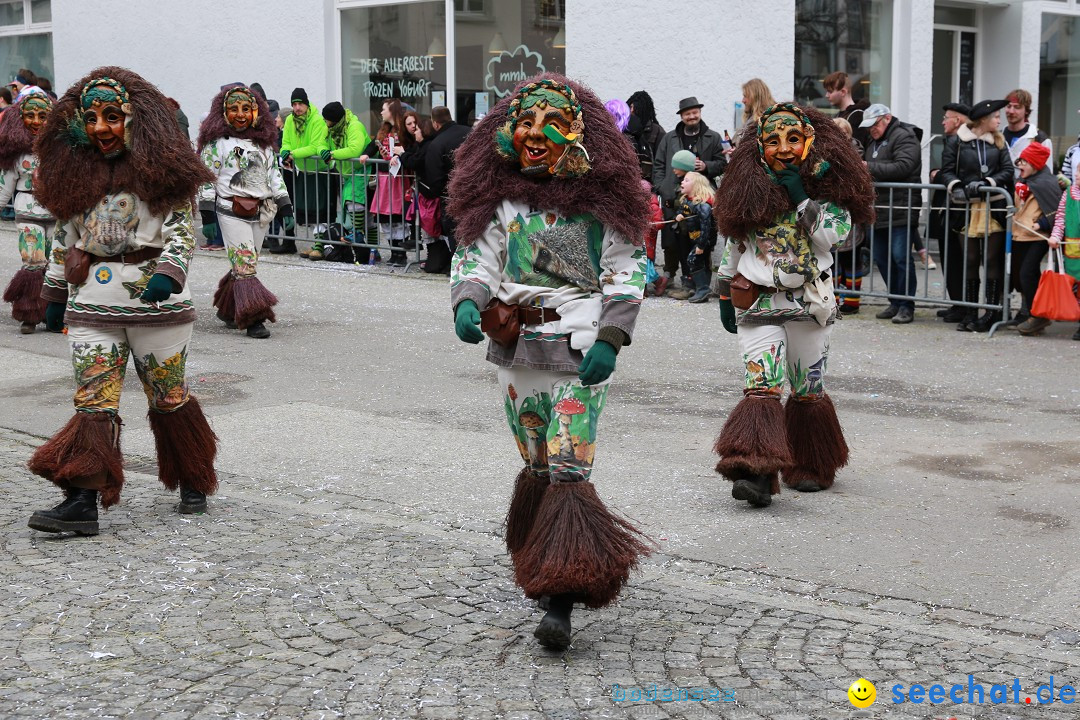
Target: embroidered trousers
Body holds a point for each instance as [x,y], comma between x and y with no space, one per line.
[794,353]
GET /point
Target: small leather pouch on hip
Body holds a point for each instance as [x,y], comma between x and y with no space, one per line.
[744,293]
[76,265]
[245,207]
[501,323]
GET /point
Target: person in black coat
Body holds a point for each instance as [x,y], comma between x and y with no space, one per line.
[946,223]
[643,131]
[438,162]
[977,156]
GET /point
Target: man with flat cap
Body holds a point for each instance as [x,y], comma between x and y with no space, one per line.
[694,135]
[946,230]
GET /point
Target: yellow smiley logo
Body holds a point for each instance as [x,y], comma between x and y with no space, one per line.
[862,693]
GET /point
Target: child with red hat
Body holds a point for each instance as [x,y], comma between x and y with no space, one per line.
[1037,198]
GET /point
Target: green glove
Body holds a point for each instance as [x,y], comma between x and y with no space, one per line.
[54,316]
[326,156]
[727,315]
[285,155]
[467,322]
[158,288]
[288,222]
[598,364]
[209,230]
[791,181]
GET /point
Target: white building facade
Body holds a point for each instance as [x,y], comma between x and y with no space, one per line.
[913,55]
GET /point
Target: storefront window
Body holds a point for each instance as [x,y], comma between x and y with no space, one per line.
[495,53]
[393,51]
[1059,80]
[850,35]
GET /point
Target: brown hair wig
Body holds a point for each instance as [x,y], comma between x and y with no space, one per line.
[611,190]
[748,199]
[15,139]
[262,132]
[159,164]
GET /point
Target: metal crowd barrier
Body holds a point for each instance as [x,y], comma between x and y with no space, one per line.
[916,225]
[318,202]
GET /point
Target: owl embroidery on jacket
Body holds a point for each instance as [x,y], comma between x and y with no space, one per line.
[111,224]
[253,176]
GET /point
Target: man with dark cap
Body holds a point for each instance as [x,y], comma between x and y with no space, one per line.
[437,163]
[303,138]
[947,230]
[693,135]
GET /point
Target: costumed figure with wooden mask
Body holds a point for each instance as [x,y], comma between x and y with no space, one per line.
[236,143]
[119,176]
[550,219]
[19,125]
[787,201]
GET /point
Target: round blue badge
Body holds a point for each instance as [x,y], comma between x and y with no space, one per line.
[103,275]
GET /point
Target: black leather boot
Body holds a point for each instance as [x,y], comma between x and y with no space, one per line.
[553,632]
[191,501]
[971,294]
[754,489]
[77,514]
[285,247]
[988,318]
[258,331]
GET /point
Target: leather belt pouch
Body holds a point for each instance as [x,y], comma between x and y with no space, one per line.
[76,266]
[501,323]
[245,207]
[744,293]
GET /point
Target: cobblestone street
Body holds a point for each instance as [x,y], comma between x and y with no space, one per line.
[352,564]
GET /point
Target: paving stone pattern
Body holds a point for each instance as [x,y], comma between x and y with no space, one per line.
[287,603]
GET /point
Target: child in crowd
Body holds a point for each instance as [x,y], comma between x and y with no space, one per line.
[656,216]
[694,223]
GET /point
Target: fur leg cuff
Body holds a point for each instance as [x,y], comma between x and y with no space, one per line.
[88,446]
[223,297]
[818,448]
[186,448]
[753,441]
[577,546]
[528,491]
[254,303]
[24,294]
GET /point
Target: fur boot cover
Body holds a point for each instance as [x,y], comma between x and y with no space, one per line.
[186,448]
[754,440]
[528,491]
[88,446]
[254,303]
[223,298]
[24,294]
[818,448]
[578,547]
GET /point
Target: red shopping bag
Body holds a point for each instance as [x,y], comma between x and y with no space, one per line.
[1055,298]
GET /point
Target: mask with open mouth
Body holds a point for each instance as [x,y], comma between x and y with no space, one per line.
[106,113]
[544,132]
[241,109]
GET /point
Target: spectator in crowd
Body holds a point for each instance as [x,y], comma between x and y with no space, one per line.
[391,188]
[1018,131]
[1037,198]
[838,93]
[46,85]
[25,83]
[694,136]
[620,113]
[302,141]
[643,130]
[946,226]
[852,263]
[756,98]
[422,210]
[682,163]
[894,155]
[181,118]
[1066,231]
[438,162]
[348,140]
[5,98]
[979,156]
[653,287]
[694,223]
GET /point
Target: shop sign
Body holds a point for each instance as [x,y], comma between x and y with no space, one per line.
[405,87]
[507,69]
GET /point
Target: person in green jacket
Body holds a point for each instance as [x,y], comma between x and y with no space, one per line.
[348,141]
[304,137]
